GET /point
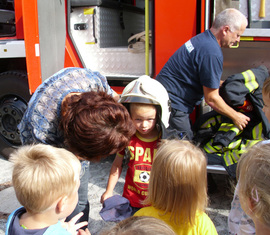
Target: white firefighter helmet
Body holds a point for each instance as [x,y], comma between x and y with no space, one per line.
[147,90]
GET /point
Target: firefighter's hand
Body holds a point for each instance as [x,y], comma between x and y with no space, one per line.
[105,196]
[241,120]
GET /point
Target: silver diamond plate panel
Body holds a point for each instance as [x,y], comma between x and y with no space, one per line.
[110,30]
[114,60]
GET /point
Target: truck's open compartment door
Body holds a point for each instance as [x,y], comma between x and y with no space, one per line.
[254,47]
[52,34]
[7,23]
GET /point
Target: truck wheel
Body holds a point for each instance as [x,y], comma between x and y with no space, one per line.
[14,95]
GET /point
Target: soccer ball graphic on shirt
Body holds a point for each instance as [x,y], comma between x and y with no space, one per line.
[144,177]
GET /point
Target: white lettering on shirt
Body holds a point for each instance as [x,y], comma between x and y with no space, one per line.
[189,46]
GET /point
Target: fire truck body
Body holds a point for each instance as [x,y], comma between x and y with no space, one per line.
[38,38]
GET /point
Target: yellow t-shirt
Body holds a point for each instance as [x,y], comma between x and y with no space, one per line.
[203,224]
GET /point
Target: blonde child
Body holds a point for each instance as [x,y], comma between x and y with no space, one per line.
[149,112]
[178,188]
[143,225]
[253,185]
[46,181]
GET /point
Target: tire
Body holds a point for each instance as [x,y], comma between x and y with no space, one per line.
[14,96]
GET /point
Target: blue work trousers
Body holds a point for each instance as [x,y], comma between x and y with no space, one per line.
[83,203]
[180,121]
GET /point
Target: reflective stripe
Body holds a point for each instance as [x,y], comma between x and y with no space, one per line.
[229,127]
[234,144]
[227,158]
[257,132]
[236,156]
[246,145]
[231,157]
[250,80]
[250,143]
[210,149]
[211,122]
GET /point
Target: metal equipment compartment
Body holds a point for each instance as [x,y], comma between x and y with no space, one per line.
[101,33]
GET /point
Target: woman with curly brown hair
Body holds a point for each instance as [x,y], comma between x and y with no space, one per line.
[76,109]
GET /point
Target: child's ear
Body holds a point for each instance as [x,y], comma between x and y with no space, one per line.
[251,205]
[60,206]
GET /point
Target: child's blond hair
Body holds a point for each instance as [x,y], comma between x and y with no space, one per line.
[254,180]
[42,174]
[178,181]
[143,225]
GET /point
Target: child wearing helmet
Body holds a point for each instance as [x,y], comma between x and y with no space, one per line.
[148,103]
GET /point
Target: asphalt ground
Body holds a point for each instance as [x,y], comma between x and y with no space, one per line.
[218,209]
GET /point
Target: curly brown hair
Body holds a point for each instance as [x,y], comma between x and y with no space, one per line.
[95,125]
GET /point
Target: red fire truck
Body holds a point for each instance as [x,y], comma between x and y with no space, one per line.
[38,38]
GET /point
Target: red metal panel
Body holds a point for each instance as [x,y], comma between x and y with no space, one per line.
[203,16]
[18,19]
[267,39]
[31,37]
[71,57]
[175,23]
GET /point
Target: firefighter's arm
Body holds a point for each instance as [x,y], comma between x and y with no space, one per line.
[115,173]
[215,101]
[220,83]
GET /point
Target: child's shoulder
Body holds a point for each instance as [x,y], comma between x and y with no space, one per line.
[147,211]
[56,229]
[13,217]
[205,224]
